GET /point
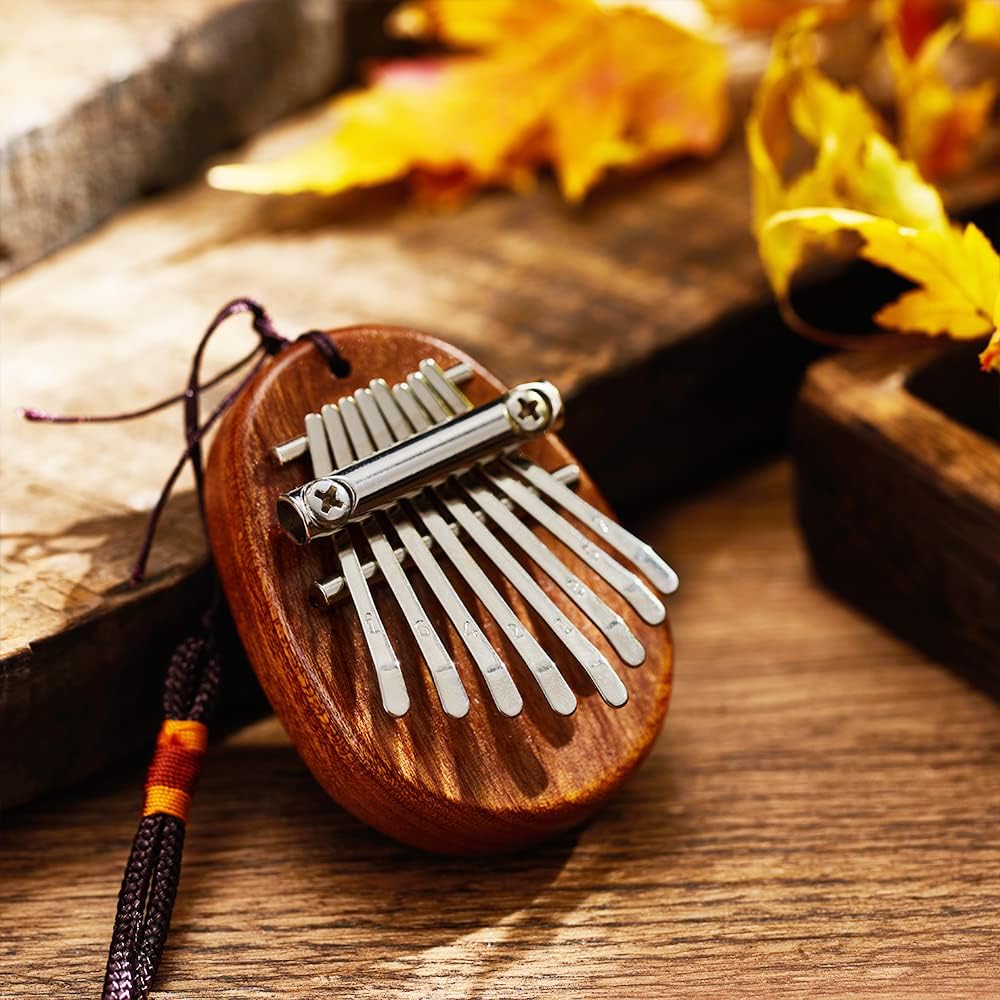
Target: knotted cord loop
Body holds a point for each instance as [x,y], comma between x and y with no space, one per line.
[270,343]
[337,363]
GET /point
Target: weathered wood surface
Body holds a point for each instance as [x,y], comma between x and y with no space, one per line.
[479,784]
[629,305]
[104,101]
[818,819]
[647,307]
[898,483]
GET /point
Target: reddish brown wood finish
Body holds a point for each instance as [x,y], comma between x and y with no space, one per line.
[483,783]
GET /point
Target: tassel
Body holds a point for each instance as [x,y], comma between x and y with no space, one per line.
[149,886]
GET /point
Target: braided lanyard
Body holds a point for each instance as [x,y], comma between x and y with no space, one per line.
[191,687]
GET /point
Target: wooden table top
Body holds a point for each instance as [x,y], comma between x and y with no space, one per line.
[821,817]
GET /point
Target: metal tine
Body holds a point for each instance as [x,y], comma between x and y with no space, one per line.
[608,684]
[643,600]
[325,592]
[388,674]
[645,603]
[289,451]
[557,692]
[451,692]
[611,624]
[641,555]
[501,685]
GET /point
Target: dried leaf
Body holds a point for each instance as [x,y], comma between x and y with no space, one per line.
[472,25]
[765,15]
[981,22]
[915,21]
[957,271]
[939,124]
[854,165]
[858,183]
[563,82]
[990,358]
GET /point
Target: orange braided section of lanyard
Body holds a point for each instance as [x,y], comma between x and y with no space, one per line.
[180,748]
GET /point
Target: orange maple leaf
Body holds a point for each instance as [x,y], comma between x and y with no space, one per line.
[569,83]
[940,123]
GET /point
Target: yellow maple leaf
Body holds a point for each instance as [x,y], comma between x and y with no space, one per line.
[571,83]
[981,22]
[859,183]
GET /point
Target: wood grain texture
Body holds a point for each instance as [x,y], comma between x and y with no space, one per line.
[819,819]
[900,500]
[623,305]
[105,101]
[647,307]
[480,784]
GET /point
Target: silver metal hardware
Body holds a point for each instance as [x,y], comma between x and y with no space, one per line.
[295,448]
[606,681]
[636,551]
[413,470]
[388,673]
[529,409]
[327,592]
[378,480]
[543,668]
[444,674]
[326,498]
[626,583]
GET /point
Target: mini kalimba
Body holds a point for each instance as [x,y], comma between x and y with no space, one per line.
[468,651]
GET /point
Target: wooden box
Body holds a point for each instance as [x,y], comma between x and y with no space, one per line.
[897,459]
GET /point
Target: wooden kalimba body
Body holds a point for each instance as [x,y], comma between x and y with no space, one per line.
[467,650]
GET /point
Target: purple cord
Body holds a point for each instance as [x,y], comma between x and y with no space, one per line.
[271,342]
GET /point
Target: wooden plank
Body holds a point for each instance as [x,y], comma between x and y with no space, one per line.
[898,484]
[618,294]
[134,95]
[647,307]
[818,819]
